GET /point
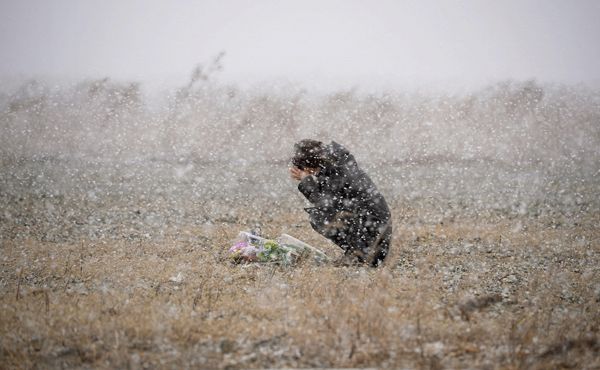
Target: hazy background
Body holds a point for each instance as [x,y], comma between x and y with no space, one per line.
[321,44]
[494,106]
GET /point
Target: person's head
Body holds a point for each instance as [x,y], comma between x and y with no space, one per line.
[309,154]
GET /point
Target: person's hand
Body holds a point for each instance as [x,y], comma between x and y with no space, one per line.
[298,174]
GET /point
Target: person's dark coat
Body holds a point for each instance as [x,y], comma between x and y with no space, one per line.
[347,207]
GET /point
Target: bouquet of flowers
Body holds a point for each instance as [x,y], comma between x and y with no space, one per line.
[284,250]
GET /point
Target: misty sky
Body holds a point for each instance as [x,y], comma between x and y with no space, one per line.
[320,43]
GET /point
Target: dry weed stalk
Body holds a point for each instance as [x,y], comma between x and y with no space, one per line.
[19,279]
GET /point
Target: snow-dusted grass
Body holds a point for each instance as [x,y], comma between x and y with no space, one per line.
[115,218]
[468,293]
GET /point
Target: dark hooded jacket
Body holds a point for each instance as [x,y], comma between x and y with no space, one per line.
[347,207]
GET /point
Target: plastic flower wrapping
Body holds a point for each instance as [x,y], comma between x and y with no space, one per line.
[285,250]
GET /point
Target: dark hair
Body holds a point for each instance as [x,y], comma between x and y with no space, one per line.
[309,154]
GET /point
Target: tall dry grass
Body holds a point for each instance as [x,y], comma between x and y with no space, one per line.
[450,296]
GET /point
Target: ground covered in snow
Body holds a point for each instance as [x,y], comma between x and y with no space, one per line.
[119,264]
[116,213]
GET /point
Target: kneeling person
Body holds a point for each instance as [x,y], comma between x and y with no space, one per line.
[347,207]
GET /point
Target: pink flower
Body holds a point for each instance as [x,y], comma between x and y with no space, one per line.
[238,246]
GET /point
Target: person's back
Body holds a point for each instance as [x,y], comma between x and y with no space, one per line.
[347,207]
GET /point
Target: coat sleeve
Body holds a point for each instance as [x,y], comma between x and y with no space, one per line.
[324,192]
[310,188]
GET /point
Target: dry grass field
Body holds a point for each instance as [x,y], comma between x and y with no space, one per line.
[115,219]
[109,276]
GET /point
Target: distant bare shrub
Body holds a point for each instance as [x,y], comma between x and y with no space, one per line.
[520,123]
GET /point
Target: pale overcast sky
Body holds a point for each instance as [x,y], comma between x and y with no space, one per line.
[323,43]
